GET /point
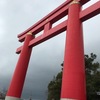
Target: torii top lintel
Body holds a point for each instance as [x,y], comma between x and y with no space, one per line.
[45,24]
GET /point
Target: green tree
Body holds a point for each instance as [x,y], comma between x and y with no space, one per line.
[54,87]
[92,80]
[92,77]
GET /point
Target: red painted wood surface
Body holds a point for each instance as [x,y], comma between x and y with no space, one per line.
[73,81]
[17,82]
[52,17]
[73,84]
[84,15]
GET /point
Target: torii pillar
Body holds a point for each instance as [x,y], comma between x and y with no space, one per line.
[73,82]
[16,86]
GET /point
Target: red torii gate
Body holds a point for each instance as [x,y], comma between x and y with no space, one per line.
[73,82]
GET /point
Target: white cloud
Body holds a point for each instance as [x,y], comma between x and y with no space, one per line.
[2,29]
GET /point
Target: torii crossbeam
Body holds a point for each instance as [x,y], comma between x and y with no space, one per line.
[73,82]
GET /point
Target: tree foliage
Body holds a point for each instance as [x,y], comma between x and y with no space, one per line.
[92,80]
[92,77]
[54,87]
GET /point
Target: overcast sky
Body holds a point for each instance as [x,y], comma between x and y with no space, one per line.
[15,17]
